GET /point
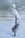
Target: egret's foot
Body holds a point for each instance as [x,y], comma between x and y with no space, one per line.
[14,34]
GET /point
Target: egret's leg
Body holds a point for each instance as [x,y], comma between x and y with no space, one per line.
[14,29]
[15,20]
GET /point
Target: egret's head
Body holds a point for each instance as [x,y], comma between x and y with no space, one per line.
[14,5]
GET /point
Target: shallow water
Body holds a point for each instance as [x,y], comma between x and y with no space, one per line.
[5,31]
